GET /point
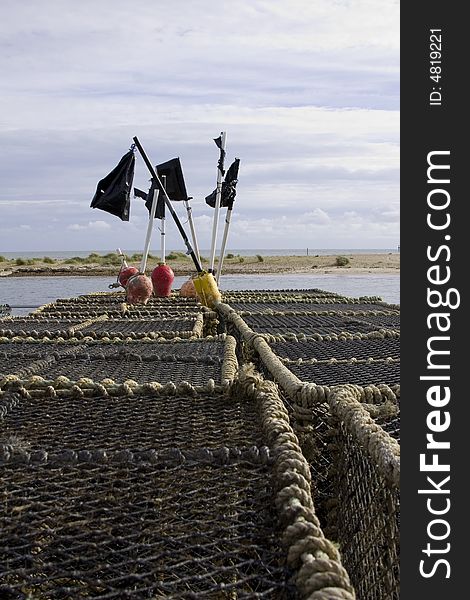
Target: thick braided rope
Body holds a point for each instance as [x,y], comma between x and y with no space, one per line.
[309,394]
[283,375]
[230,362]
[10,452]
[317,313]
[303,297]
[339,361]
[107,340]
[343,336]
[320,574]
[87,323]
[345,404]
[198,326]
[37,387]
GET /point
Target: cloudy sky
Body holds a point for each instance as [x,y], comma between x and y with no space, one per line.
[307,91]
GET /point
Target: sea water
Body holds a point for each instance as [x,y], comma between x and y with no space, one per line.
[64,254]
[24,294]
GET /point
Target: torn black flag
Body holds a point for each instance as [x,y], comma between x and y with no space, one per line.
[113,192]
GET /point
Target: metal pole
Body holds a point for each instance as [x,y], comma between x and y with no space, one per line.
[169,205]
[162,230]
[189,210]
[228,216]
[143,262]
[215,223]
[123,257]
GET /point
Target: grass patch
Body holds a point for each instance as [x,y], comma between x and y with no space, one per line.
[75,260]
[260,258]
[48,260]
[342,261]
[174,255]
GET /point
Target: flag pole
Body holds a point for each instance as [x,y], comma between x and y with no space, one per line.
[123,257]
[143,263]
[220,174]
[228,217]
[189,210]
[154,174]
[162,230]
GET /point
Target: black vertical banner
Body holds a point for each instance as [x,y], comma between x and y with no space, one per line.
[434,327]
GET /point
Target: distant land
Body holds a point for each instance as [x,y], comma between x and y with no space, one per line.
[98,264]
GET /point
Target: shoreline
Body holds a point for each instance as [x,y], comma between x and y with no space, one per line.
[357,264]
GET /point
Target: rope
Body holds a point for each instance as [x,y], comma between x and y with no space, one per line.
[316,559]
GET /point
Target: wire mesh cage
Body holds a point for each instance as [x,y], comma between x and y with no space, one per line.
[140,531]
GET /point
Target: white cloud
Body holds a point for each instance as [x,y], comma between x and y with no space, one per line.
[91,225]
[307,92]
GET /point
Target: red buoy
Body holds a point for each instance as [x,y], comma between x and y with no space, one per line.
[138,289]
[125,274]
[162,280]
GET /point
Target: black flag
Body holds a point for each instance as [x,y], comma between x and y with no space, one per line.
[148,197]
[229,185]
[218,143]
[175,186]
[113,192]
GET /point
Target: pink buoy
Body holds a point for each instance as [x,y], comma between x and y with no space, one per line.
[188,290]
[138,289]
[125,274]
[162,280]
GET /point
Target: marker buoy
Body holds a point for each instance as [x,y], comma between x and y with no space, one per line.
[138,289]
[125,274]
[162,280]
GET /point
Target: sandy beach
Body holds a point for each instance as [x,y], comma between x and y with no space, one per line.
[181,264]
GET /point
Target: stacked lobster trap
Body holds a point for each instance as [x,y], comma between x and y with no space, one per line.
[336,361]
[172,451]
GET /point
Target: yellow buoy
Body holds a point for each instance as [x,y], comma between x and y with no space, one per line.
[206,288]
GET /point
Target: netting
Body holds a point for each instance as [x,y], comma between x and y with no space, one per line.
[364,374]
[132,422]
[307,305]
[139,460]
[36,327]
[307,324]
[367,515]
[140,531]
[346,349]
[349,437]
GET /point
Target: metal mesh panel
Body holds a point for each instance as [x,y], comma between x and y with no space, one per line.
[368,523]
[363,374]
[107,297]
[80,312]
[132,422]
[16,356]
[139,327]
[338,349]
[103,531]
[202,350]
[314,436]
[391,425]
[121,368]
[305,306]
[307,324]
[5,310]
[261,294]
[391,321]
[154,311]
[35,327]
